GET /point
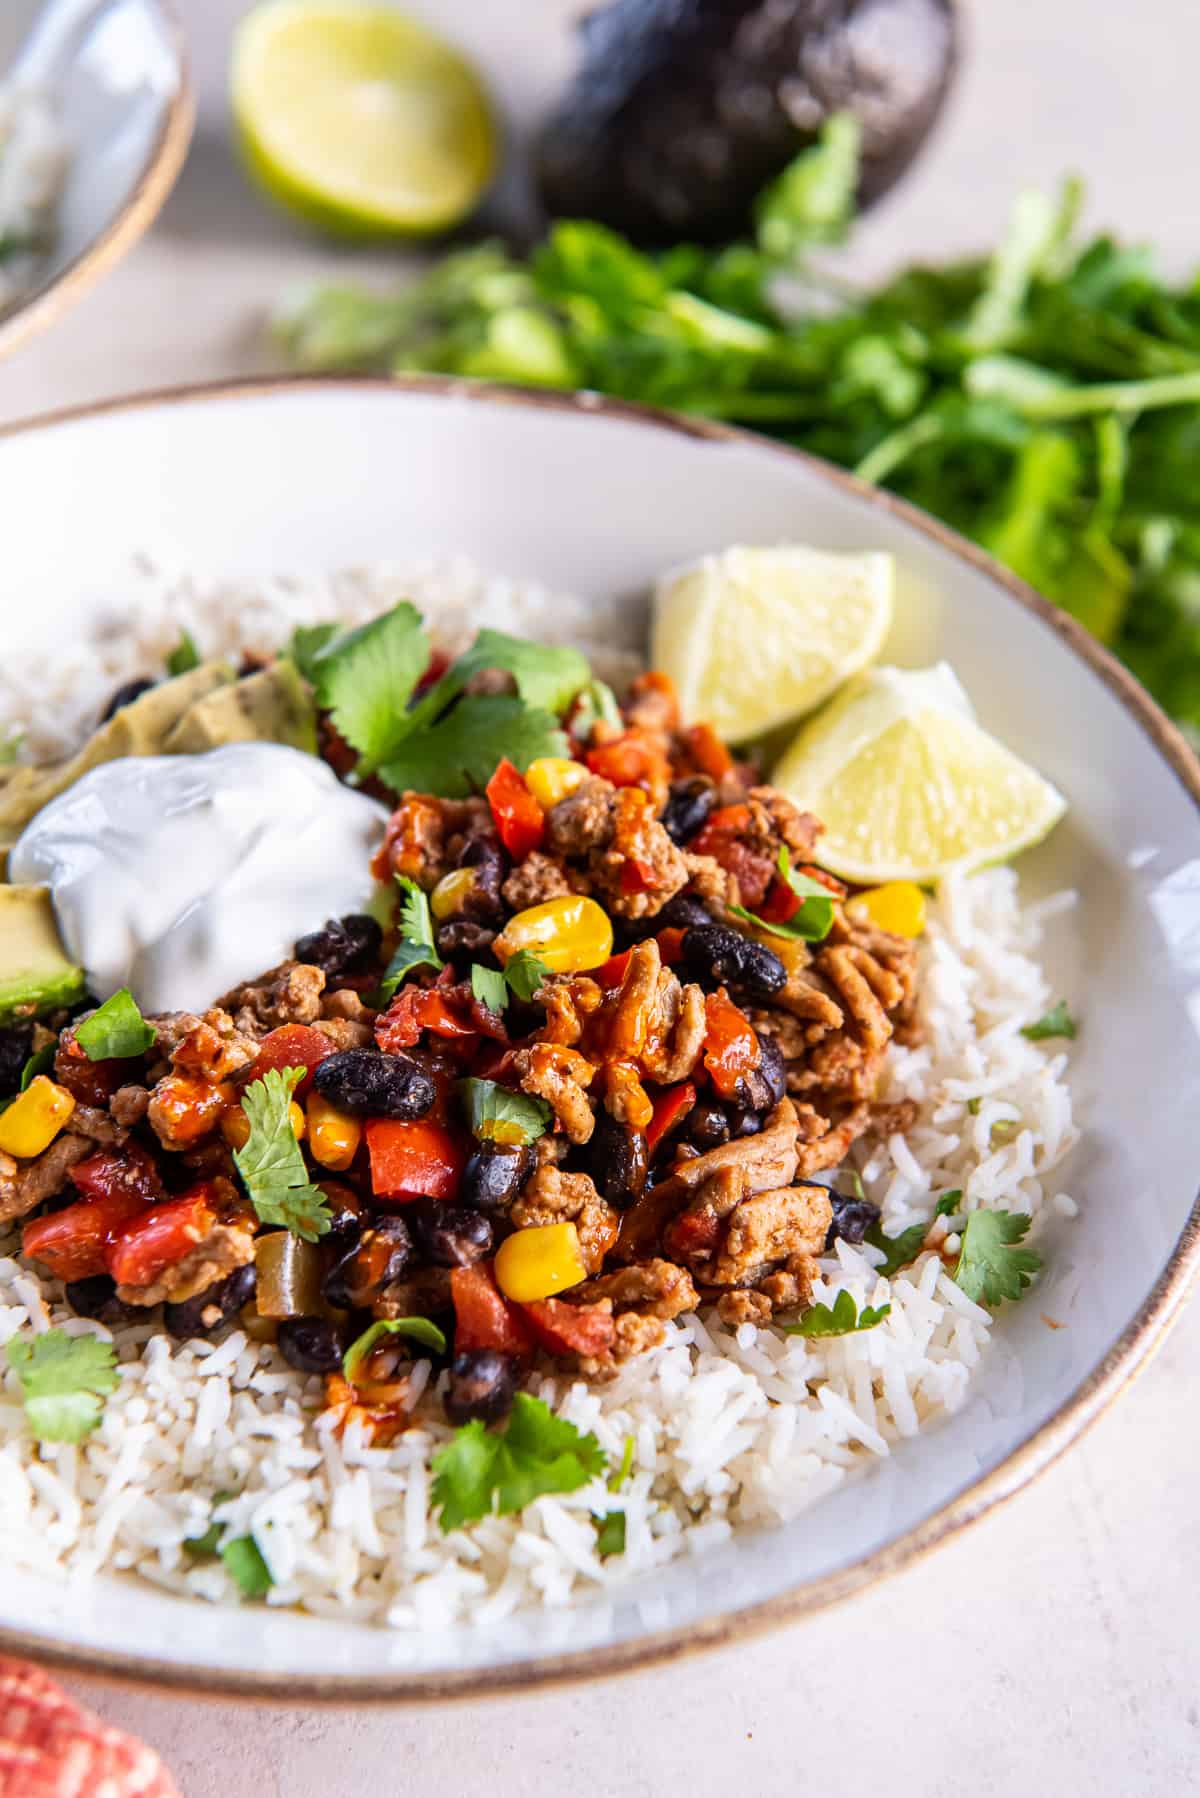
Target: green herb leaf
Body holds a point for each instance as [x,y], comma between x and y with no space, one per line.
[421,1329]
[306,645]
[270,1161]
[184,657]
[991,1267]
[617,1480]
[462,751]
[116,1030]
[812,201]
[489,987]
[497,1114]
[949,1204]
[1057,1022]
[524,973]
[610,1534]
[505,1470]
[547,675]
[64,1382]
[205,1546]
[898,1250]
[975,1106]
[246,1568]
[812,922]
[365,678]
[41,1062]
[416,948]
[596,704]
[842,1319]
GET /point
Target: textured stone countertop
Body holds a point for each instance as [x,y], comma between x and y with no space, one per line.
[1053,1648]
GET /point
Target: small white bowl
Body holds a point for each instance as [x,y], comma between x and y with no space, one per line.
[117,76]
[597,498]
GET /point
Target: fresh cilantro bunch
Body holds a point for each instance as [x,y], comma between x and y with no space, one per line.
[64,1382]
[842,1318]
[482,1470]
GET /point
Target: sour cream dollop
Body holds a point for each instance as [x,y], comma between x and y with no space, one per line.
[179,876]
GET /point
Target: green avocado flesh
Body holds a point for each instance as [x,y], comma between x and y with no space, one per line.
[35,975]
[273,706]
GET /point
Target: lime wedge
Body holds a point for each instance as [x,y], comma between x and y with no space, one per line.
[754,638]
[908,786]
[358,119]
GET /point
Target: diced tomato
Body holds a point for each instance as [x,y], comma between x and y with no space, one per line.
[634,759]
[637,876]
[780,904]
[413,1160]
[722,838]
[692,1233]
[670,1108]
[570,1329]
[519,818]
[439,661]
[611,973]
[73,1243]
[708,752]
[731,1048]
[413,835]
[291,1046]
[418,1008]
[161,1236]
[484,1319]
[90,1082]
[132,1171]
[188,1109]
[670,945]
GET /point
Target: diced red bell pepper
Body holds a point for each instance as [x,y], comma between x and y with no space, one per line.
[484,1319]
[161,1236]
[565,1329]
[519,818]
[722,838]
[73,1243]
[670,1108]
[418,1008]
[291,1046]
[637,876]
[670,945]
[708,752]
[421,1159]
[731,1047]
[631,760]
[611,973]
[131,1171]
[780,904]
[90,1082]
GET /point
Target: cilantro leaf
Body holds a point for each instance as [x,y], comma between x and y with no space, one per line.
[948,1204]
[246,1567]
[617,1480]
[307,642]
[898,1250]
[596,704]
[812,201]
[40,1062]
[842,1319]
[497,1114]
[991,1267]
[416,948]
[812,921]
[270,1161]
[480,1471]
[64,1382]
[547,675]
[421,1329]
[365,678]
[185,656]
[116,1030]
[489,986]
[1057,1022]
[462,751]
[610,1534]
[205,1546]
[524,973]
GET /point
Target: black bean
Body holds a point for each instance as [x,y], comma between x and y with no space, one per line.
[762,1087]
[708,1127]
[125,695]
[345,1214]
[214,1306]
[688,807]
[483,1383]
[97,1297]
[681,911]
[389,1086]
[494,1175]
[725,957]
[484,901]
[382,1256]
[463,936]
[852,1218]
[348,945]
[311,1344]
[450,1235]
[617,1161]
[16,1046]
[743,1121]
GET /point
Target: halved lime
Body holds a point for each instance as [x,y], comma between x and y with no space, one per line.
[358,119]
[754,638]
[908,786]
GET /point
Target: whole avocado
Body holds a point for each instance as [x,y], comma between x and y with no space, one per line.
[683,110]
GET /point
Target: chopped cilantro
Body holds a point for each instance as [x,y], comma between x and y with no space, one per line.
[416,948]
[525,973]
[1057,1022]
[40,1062]
[461,752]
[813,919]
[481,1471]
[365,678]
[949,1203]
[842,1319]
[617,1480]
[64,1382]
[185,656]
[421,1329]
[270,1161]
[497,1114]
[116,1030]
[205,1546]
[308,640]
[975,1106]
[898,1250]
[610,1534]
[547,675]
[489,987]
[991,1267]
[246,1567]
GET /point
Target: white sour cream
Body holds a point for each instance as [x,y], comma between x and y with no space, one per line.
[179,876]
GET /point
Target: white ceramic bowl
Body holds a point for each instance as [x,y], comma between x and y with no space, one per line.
[115,70]
[598,498]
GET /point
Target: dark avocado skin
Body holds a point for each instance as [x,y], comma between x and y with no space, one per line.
[683,110]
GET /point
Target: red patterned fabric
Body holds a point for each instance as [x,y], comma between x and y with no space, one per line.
[50,1747]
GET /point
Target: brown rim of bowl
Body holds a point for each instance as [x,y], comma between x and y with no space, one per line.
[1131,1352]
[138,212]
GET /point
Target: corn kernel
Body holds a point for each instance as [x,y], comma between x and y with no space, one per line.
[333,1135]
[451,893]
[570,934]
[533,1263]
[552,777]
[235,1125]
[35,1118]
[898,907]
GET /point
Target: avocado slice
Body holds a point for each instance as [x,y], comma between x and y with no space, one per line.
[273,706]
[140,728]
[35,974]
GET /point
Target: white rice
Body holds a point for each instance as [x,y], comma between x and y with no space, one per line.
[34,159]
[731,1428]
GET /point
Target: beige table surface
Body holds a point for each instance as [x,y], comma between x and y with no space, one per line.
[1053,1650]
